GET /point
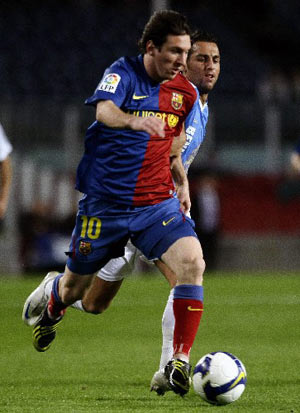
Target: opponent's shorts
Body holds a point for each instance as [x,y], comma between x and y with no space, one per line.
[103,228]
[118,268]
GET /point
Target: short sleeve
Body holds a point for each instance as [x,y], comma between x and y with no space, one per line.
[114,86]
[5,146]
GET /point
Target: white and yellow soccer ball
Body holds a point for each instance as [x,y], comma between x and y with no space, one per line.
[219,378]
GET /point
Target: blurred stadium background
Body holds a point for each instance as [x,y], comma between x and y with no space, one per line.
[53,54]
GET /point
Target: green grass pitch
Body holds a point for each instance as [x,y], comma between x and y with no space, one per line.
[105,363]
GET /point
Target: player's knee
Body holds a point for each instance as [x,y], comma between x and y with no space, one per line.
[202,269]
[95,307]
[194,267]
[92,309]
[198,269]
[202,266]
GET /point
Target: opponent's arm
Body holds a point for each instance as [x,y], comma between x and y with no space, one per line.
[112,116]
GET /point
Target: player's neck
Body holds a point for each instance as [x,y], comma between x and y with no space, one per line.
[203,98]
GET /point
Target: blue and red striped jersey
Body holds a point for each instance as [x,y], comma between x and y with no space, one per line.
[128,166]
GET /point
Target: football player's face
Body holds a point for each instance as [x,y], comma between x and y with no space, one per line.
[171,57]
[203,66]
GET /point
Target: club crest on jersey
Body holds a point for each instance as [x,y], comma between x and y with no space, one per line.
[177,100]
[172,120]
[85,247]
[109,83]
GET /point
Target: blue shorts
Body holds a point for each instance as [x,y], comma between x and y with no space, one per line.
[103,228]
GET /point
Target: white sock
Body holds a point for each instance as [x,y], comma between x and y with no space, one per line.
[168,323]
[78,305]
[48,288]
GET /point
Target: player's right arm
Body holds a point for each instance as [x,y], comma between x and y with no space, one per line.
[111,115]
[110,96]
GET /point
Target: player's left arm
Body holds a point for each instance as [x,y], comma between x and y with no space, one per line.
[178,173]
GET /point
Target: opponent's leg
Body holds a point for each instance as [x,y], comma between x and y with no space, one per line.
[168,320]
[168,323]
[159,382]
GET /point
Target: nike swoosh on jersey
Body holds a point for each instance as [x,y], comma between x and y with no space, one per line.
[190,308]
[137,97]
[168,222]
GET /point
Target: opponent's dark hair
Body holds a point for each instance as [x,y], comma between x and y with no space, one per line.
[161,24]
[202,36]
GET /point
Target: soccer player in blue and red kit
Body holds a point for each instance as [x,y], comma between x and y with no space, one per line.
[125,174]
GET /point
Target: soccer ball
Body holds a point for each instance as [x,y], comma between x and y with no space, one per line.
[219,378]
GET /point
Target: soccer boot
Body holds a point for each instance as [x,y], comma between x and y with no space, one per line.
[44,332]
[178,373]
[159,383]
[37,301]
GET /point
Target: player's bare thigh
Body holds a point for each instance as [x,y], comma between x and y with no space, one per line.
[185,258]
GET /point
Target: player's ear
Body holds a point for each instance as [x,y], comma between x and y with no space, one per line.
[150,47]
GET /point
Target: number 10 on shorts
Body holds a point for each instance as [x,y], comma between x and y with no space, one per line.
[91,227]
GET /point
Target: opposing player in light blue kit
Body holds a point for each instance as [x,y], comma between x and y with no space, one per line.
[127,174]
